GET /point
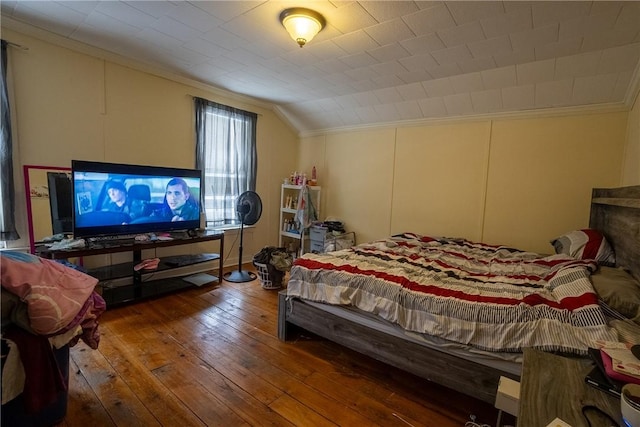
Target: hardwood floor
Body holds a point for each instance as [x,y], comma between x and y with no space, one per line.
[211,356]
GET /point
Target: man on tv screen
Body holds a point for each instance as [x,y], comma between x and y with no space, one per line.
[179,204]
[118,197]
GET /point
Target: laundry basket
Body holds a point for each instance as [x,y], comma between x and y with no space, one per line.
[266,280]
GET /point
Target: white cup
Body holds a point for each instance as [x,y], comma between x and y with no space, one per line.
[630,405]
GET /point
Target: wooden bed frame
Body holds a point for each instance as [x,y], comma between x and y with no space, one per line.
[615,212]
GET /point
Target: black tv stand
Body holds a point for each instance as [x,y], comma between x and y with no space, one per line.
[143,286]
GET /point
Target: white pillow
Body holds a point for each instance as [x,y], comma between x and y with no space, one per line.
[585,244]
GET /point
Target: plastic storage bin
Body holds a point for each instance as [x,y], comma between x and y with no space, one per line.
[322,240]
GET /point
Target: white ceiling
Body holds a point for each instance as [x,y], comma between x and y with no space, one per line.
[375,61]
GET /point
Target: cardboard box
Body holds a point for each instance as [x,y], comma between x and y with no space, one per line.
[508,396]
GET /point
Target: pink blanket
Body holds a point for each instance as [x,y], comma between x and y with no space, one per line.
[54,293]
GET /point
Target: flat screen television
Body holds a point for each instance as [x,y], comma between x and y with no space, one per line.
[60,202]
[111,199]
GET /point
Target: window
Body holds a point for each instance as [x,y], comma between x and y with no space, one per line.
[226,154]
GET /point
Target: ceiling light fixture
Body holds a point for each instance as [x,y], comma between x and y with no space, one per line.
[302,24]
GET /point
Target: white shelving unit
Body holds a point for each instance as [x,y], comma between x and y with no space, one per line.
[288,213]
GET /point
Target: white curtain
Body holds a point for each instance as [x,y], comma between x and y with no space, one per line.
[226,154]
[7,192]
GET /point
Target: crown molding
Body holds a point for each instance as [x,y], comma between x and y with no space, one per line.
[511,115]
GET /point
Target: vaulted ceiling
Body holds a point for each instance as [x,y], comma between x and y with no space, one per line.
[375,61]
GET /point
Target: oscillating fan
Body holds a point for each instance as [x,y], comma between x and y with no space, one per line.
[249,209]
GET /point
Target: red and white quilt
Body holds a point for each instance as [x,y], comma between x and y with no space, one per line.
[494,298]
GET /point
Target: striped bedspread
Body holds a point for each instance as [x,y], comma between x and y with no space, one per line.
[494,298]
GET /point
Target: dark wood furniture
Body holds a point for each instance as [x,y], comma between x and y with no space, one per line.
[615,212]
[553,386]
[142,287]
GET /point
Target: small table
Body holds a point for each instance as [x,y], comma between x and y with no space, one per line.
[553,386]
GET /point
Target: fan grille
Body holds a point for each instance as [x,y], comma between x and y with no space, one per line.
[249,207]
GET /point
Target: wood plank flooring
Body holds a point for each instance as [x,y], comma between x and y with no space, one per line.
[211,356]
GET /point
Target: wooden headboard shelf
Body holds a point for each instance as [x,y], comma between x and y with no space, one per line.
[616,213]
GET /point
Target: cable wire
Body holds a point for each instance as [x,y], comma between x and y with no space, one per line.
[233,244]
[585,408]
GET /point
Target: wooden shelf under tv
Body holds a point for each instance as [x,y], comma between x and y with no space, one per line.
[143,285]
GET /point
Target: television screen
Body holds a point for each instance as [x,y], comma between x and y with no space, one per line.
[61,202]
[112,199]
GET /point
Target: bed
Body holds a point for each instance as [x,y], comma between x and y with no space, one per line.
[397,311]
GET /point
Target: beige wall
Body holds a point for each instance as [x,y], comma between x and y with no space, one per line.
[359,181]
[519,182]
[541,172]
[69,105]
[631,172]
[440,174]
